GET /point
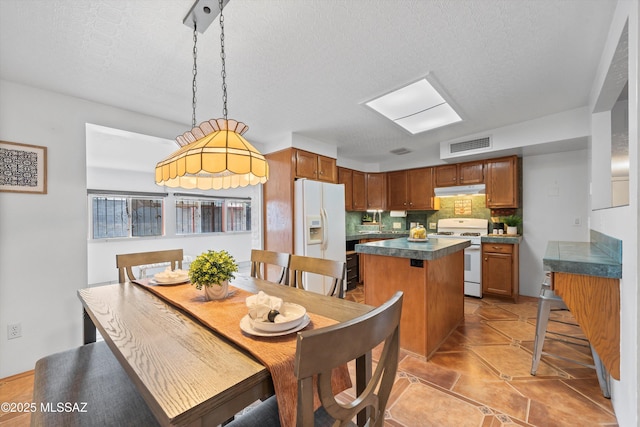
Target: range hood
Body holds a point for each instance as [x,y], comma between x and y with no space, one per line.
[459,190]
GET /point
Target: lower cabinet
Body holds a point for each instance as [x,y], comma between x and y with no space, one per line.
[500,270]
[353,272]
[361,261]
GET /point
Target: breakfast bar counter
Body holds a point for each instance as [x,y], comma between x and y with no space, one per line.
[586,275]
[431,275]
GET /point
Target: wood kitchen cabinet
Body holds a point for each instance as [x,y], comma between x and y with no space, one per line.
[410,189]
[345,177]
[459,174]
[361,260]
[376,190]
[314,166]
[503,182]
[397,190]
[353,270]
[279,195]
[500,270]
[359,194]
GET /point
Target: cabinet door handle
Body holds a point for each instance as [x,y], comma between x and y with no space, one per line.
[486,259]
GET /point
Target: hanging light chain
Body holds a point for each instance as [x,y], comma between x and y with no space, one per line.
[194,87]
[224,70]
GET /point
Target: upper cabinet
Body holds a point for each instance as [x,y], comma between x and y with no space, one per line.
[345,176]
[446,175]
[459,174]
[471,173]
[314,166]
[397,190]
[502,180]
[355,189]
[359,193]
[376,190]
[410,189]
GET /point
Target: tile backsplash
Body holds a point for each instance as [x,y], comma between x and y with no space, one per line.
[466,207]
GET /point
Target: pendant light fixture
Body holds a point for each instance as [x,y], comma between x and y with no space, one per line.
[213,155]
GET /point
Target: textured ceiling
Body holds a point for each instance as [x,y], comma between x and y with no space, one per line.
[306,66]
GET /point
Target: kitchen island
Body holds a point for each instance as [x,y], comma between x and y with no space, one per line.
[431,275]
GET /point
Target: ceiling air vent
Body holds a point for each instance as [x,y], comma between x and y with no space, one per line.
[400,151]
[474,144]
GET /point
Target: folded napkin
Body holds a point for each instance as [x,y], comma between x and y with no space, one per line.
[168,274]
[261,304]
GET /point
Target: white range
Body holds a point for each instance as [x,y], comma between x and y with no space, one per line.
[472,229]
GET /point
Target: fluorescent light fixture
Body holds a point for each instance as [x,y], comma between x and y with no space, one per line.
[417,107]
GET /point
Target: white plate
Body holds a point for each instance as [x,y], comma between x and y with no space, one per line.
[245,325]
[417,240]
[292,315]
[172,282]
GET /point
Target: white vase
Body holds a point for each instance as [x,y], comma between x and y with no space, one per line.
[512,230]
[215,292]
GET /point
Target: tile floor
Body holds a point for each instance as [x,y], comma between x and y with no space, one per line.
[480,376]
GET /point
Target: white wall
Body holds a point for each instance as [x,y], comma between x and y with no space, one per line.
[564,126]
[555,193]
[43,238]
[622,222]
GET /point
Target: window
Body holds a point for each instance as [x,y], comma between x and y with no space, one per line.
[238,215]
[195,215]
[122,216]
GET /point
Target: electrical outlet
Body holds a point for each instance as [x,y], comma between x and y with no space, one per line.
[397,225]
[432,226]
[577,221]
[14,330]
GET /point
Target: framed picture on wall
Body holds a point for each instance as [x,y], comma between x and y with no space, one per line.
[23,168]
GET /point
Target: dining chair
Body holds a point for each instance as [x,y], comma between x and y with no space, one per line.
[319,351]
[320,266]
[124,262]
[86,386]
[261,259]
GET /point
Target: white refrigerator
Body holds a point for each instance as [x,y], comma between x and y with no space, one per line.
[319,226]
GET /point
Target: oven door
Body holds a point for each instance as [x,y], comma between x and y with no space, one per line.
[472,275]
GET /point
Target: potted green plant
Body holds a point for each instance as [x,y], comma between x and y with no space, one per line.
[212,270]
[512,221]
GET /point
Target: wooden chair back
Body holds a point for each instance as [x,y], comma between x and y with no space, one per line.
[124,262]
[324,267]
[348,341]
[261,260]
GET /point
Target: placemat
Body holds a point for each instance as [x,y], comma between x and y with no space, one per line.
[276,353]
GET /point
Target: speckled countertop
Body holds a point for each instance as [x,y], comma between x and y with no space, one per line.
[402,248]
[502,238]
[587,258]
[382,235]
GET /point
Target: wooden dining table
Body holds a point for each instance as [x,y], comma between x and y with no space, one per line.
[187,373]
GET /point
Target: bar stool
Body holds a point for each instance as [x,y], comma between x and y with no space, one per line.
[547,302]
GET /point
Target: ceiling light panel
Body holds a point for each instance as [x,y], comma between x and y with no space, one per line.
[435,117]
[417,107]
[408,100]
